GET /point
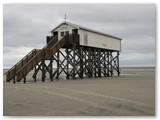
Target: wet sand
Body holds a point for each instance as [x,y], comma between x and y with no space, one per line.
[131,94]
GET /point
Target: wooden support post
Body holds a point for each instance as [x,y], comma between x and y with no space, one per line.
[51,69]
[99,63]
[86,62]
[81,62]
[43,70]
[104,62]
[43,66]
[108,62]
[118,62]
[35,69]
[57,65]
[89,63]
[24,79]
[95,63]
[67,58]
[35,75]
[74,59]
[111,59]
[14,78]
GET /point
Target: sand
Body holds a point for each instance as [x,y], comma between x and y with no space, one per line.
[131,94]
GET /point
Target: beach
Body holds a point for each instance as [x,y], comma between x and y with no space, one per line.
[130,94]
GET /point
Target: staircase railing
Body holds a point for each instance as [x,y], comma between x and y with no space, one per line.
[22,72]
[11,72]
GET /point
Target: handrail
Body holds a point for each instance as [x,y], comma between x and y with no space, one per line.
[41,54]
[20,61]
[42,51]
[61,42]
[52,40]
[21,68]
[12,72]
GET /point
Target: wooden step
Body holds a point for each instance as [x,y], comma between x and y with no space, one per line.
[10,74]
[47,50]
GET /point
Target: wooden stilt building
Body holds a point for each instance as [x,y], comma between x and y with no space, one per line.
[77,52]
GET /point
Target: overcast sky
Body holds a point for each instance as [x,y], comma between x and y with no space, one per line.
[27,25]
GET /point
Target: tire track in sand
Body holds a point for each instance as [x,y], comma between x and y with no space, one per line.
[92,104]
[86,101]
[101,95]
[125,103]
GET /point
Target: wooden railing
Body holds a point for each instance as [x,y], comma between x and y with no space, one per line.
[72,38]
[26,64]
[52,42]
[22,72]
[11,72]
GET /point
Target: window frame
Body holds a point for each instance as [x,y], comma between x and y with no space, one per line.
[62,33]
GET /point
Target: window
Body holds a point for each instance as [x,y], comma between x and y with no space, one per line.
[62,33]
[55,33]
[67,32]
[75,31]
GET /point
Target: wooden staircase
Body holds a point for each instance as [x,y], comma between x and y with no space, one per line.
[10,74]
[26,64]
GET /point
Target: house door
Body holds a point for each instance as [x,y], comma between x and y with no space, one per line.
[55,33]
[75,31]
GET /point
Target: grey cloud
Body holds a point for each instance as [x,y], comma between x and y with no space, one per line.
[26,25]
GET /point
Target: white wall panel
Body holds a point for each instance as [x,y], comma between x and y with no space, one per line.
[98,40]
[92,39]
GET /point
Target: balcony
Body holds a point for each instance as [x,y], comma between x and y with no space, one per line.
[72,38]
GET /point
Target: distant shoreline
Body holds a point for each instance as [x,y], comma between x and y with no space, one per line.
[120,68]
[137,67]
